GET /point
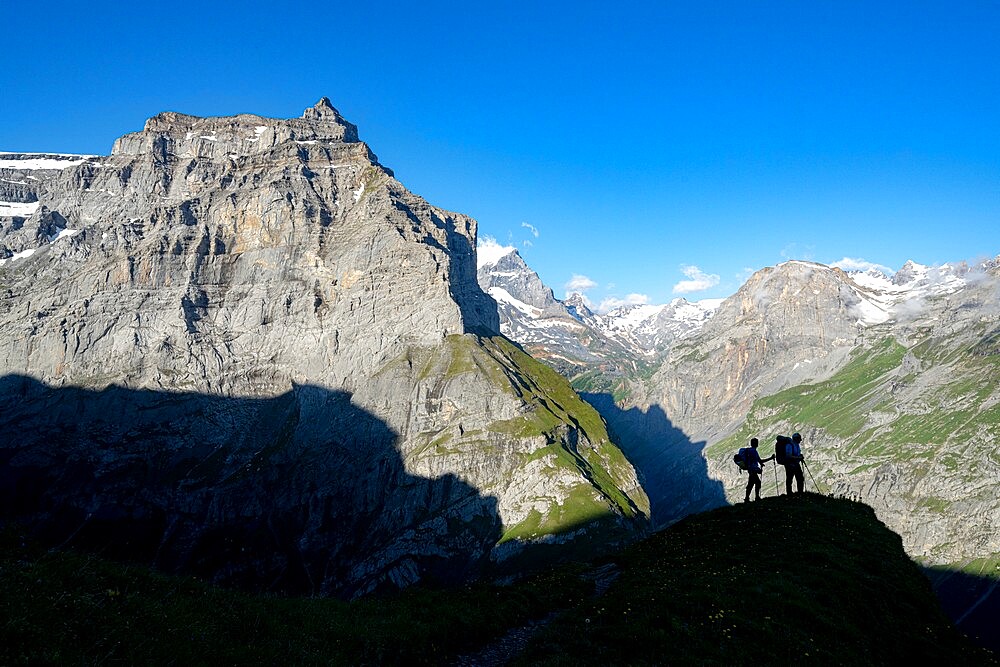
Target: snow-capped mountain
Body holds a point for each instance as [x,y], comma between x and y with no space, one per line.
[569,332]
[652,328]
[884,298]
[531,315]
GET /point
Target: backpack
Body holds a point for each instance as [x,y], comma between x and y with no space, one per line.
[740,458]
[779,449]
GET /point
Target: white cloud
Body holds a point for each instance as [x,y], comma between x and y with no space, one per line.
[613,302]
[488,251]
[530,227]
[579,284]
[526,243]
[698,280]
[852,264]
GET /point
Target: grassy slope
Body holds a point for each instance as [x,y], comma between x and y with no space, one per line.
[554,406]
[805,579]
[777,579]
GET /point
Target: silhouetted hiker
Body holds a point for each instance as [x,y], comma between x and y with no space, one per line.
[793,463]
[754,466]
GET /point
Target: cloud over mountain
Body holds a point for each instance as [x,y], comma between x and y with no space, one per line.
[698,280]
[579,284]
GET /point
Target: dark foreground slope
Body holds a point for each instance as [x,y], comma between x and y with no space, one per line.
[803,579]
[807,579]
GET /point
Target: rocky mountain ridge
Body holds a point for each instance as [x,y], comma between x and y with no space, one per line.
[239,347]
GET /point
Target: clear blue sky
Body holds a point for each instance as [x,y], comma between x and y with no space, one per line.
[637,138]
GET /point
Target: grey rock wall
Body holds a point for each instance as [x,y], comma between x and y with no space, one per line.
[299,324]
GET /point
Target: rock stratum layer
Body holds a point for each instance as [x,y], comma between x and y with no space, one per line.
[240,347]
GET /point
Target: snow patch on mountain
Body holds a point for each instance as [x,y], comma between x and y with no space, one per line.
[630,317]
[32,161]
[884,298]
[19,209]
[500,295]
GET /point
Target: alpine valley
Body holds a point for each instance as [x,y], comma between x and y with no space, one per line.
[893,381]
[239,348]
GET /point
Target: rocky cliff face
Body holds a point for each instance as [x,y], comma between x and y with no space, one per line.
[785,325]
[245,341]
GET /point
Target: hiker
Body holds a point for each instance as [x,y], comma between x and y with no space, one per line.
[754,467]
[793,463]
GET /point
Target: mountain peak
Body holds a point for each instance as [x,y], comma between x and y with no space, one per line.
[323,109]
[225,137]
[577,306]
[489,252]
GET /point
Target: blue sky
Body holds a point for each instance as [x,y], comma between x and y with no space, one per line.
[646,143]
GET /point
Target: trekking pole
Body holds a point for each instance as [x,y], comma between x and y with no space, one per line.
[813,479]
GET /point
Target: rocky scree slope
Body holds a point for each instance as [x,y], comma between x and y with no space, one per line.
[239,346]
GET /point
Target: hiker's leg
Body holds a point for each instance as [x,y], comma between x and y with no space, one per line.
[746,498]
[800,478]
[756,486]
[788,480]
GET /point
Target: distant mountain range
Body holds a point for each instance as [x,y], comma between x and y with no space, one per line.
[892,379]
[569,335]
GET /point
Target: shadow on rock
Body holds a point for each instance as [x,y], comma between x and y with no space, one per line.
[303,492]
[671,466]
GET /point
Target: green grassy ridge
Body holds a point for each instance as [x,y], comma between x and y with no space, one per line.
[837,404]
[65,608]
[987,567]
[600,498]
[555,405]
[802,579]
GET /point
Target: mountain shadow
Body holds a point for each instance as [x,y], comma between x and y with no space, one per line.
[971,602]
[671,466]
[304,492]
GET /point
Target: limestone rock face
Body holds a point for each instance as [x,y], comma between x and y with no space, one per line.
[244,339]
